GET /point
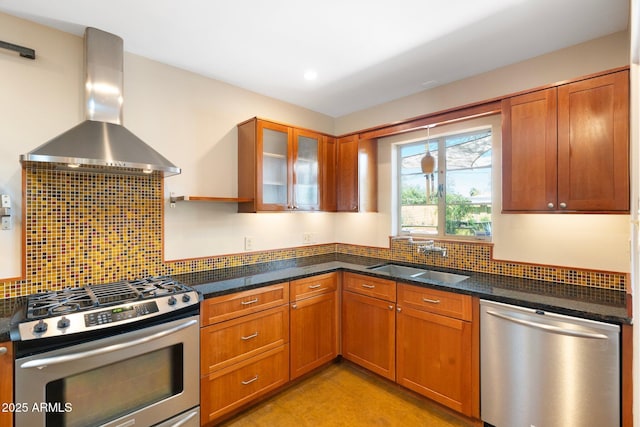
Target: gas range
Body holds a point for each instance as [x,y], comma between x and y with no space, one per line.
[97,307]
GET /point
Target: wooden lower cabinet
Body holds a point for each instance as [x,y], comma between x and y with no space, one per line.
[6,382]
[229,342]
[232,387]
[435,352]
[368,333]
[244,349]
[314,332]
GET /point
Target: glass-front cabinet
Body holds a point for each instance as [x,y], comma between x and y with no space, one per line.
[306,182]
[274,142]
[278,167]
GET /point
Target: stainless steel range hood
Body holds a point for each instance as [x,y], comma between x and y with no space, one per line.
[101,140]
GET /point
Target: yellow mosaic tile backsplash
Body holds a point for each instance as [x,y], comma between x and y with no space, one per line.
[93,228]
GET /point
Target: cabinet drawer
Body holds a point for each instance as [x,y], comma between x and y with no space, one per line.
[237,385]
[229,342]
[227,307]
[440,302]
[310,286]
[371,286]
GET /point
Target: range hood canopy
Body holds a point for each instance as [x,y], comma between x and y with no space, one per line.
[101,140]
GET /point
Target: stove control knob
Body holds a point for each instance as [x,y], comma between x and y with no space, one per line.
[172,300]
[63,323]
[185,298]
[40,327]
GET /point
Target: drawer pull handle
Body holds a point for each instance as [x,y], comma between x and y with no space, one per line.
[253,301]
[3,350]
[364,285]
[255,334]
[432,301]
[251,380]
[314,286]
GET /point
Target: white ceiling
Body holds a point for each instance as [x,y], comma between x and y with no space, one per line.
[365,52]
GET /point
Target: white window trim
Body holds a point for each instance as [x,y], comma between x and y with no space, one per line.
[435,133]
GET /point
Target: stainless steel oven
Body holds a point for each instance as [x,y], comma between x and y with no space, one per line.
[125,363]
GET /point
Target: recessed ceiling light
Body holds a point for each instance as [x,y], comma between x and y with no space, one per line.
[429,83]
[310,75]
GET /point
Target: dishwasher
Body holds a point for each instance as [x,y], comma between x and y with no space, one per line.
[541,369]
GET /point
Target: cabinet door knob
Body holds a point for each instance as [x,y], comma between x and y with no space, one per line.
[399,309]
[294,306]
[3,350]
[550,205]
[390,307]
[563,205]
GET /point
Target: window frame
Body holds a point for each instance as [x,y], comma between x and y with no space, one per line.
[441,139]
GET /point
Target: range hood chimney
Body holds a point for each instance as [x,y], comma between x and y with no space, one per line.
[101,140]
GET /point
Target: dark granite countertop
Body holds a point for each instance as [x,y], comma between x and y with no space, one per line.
[581,301]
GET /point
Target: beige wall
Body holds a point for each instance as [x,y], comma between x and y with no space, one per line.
[191,120]
[586,58]
[566,240]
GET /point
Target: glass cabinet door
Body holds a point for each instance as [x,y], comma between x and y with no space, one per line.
[275,170]
[306,183]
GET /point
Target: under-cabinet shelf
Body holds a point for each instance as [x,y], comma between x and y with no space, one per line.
[174,199]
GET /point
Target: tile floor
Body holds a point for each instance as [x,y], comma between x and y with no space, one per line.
[344,395]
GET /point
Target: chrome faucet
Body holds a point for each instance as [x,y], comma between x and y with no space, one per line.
[430,246]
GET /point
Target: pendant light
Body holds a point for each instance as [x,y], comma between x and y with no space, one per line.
[428,164]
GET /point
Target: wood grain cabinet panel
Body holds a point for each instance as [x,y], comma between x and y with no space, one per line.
[226,343]
[244,350]
[371,286]
[529,146]
[329,179]
[314,322]
[368,333]
[235,386]
[6,381]
[230,306]
[314,332]
[566,149]
[357,175]
[315,285]
[435,352]
[593,144]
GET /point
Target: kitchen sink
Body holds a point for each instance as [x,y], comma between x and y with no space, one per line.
[395,270]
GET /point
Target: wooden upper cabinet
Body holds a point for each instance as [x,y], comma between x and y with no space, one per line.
[279,167]
[529,145]
[328,174]
[357,175]
[566,149]
[593,144]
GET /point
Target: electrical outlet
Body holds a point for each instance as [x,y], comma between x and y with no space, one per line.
[248,243]
[307,238]
[6,222]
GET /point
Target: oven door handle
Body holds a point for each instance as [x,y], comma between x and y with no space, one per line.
[43,363]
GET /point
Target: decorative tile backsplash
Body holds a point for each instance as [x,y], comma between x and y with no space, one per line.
[93,228]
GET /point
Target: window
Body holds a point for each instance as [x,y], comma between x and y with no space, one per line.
[455,200]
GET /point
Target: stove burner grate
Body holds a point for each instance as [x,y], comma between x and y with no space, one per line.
[49,304]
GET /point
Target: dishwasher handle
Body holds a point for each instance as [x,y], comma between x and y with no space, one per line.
[549,328]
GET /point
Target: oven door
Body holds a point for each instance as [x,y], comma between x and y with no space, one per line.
[139,378]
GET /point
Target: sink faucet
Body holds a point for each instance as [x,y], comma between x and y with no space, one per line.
[430,246]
